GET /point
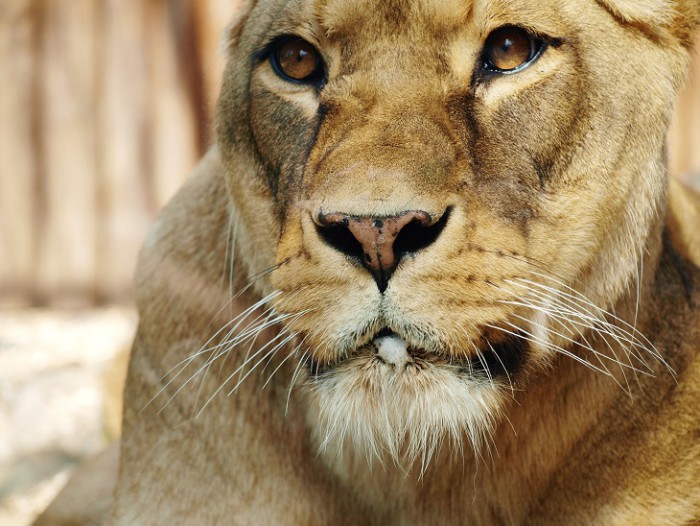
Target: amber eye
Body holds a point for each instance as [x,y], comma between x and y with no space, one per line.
[297,60]
[509,49]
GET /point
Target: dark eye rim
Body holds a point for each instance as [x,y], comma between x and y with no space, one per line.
[317,78]
[538,45]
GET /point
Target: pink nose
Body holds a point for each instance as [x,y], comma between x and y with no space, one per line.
[380,242]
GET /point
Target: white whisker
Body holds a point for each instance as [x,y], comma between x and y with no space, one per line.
[240,367]
[290,355]
[302,363]
[519,331]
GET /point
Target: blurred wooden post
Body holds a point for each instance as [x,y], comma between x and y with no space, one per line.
[18,158]
[684,141]
[104,109]
[124,196]
[65,262]
[212,18]
[175,108]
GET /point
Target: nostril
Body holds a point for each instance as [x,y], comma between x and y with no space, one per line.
[339,237]
[418,235]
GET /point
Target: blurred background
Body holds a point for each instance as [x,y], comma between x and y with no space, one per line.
[105,106]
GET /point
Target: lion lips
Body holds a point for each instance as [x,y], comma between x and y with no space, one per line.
[394,356]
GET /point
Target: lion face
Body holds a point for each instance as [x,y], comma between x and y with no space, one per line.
[447,194]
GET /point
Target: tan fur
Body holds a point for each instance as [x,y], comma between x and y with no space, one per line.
[565,257]
[86,500]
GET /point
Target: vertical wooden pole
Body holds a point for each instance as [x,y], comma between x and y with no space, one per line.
[212,18]
[124,191]
[19,160]
[174,115]
[684,149]
[65,260]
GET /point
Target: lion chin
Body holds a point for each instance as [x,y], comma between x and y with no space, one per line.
[387,398]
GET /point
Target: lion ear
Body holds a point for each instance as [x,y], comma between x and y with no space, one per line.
[678,18]
[232,34]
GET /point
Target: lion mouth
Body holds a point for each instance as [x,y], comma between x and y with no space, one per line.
[385,348]
[392,350]
[392,354]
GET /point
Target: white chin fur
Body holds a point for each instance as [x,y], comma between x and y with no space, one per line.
[392,407]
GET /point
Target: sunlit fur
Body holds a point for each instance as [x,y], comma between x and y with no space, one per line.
[554,376]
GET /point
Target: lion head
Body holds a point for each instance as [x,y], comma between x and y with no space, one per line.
[442,197]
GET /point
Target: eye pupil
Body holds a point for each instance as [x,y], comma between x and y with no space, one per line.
[507,44]
[508,48]
[297,60]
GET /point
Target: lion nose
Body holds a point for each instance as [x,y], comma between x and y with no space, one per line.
[380,242]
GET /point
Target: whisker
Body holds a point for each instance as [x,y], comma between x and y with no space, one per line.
[252,341]
[579,344]
[604,328]
[226,249]
[233,257]
[237,321]
[596,322]
[560,322]
[578,296]
[302,363]
[503,365]
[519,331]
[272,352]
[290,355]
[567,316]
[231,345]
[483,363]
[205,349]
[246,362]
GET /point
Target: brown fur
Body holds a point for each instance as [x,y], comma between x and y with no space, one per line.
[557,190]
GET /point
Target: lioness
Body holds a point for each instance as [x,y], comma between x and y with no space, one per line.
[429,274]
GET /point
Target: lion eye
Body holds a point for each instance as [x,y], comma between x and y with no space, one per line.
[510,49]
[296,60]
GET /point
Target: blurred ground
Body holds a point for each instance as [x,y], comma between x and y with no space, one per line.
[61,375]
